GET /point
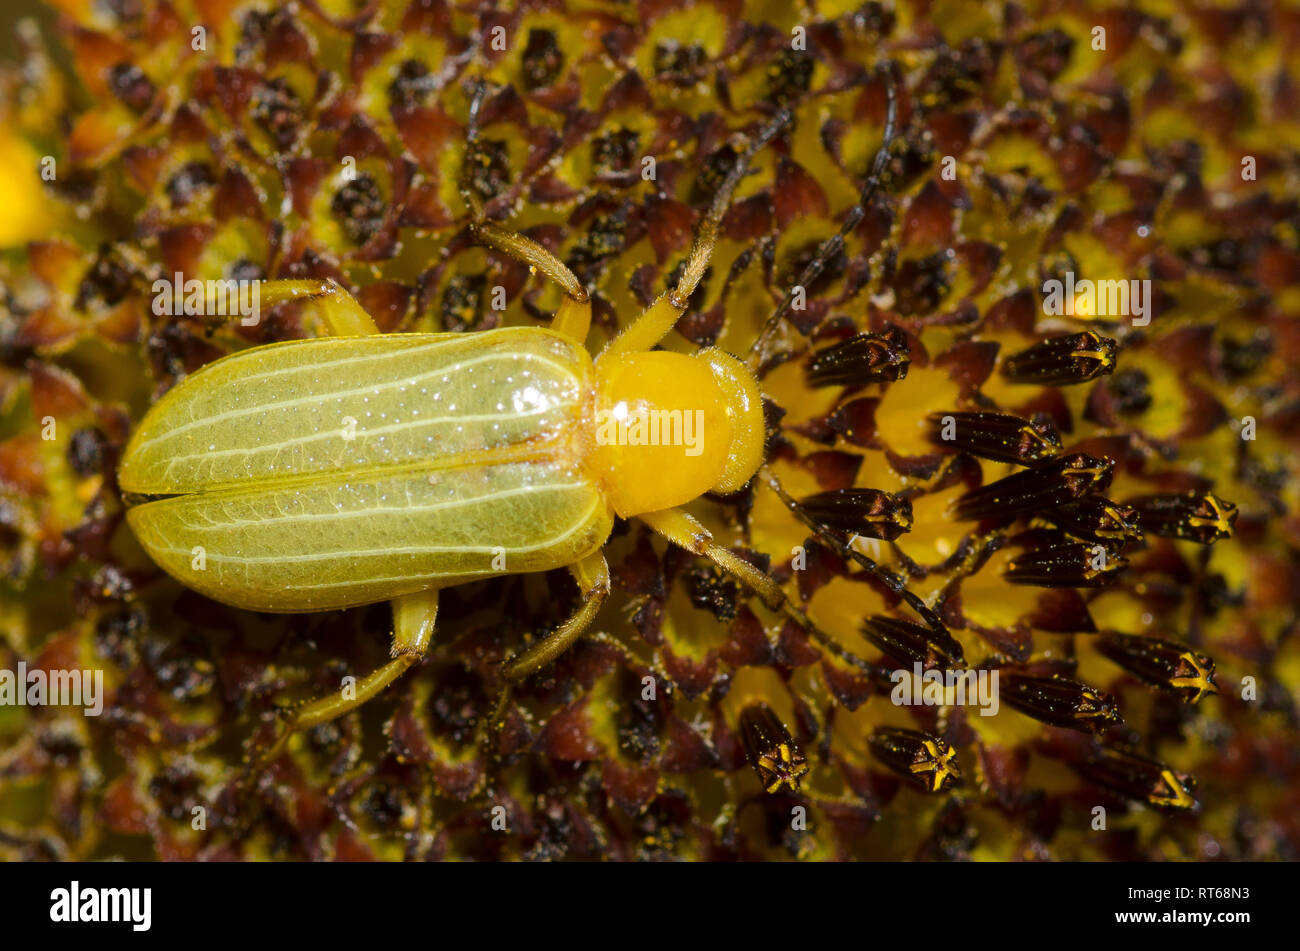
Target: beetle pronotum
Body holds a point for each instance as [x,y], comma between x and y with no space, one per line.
[469,454]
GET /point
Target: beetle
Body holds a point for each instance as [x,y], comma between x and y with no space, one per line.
[360,467]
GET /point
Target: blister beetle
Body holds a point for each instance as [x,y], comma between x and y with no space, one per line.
[361,467]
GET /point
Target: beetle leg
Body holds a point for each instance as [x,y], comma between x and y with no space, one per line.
[681,529]
[684,531]
[592,575]
[844,548]
[835,243]
[414,616]
[338,310]
[657,319]
[573,318]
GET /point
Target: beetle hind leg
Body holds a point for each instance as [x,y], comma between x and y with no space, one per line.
[414,617]
[573,318]
[592,575]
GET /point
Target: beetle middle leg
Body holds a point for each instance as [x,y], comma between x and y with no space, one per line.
[338,311]
[573,317]
[684,531]
[414,616]
[340,314]
[592,575]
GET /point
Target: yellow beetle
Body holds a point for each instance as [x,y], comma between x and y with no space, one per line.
[362,467]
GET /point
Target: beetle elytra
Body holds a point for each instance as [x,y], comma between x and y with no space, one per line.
[360,467]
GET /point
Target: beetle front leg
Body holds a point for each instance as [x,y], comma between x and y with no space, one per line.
[414,617]
[592,575]
[660,317]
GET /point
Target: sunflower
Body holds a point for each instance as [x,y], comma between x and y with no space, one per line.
[1032,409]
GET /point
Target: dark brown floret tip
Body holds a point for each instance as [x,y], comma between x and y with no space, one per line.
[777,760]
[922,759]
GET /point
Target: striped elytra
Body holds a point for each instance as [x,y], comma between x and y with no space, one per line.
[283,410]
[275,480]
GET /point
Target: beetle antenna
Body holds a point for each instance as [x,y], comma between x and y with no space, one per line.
[834,244]
[467,193]
[844,548]
[831,644]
